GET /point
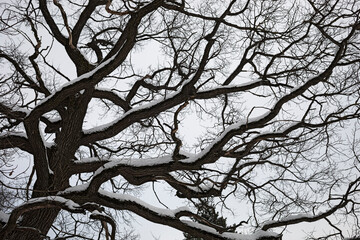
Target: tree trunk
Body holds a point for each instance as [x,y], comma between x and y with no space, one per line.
[35,224]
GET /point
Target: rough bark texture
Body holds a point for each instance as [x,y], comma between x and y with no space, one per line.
[39,220]
[254,102]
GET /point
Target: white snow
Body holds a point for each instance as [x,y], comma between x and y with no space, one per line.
[181,209]
[200,226]
[97,213]
[232,127]
[256,235]
[235,236]
[128,198]
[69,203]
[75,189]
[136,109]
[232,86]
[296,216]
[78,79]
[134,163]
[288,218]
[91,160]
[169,213]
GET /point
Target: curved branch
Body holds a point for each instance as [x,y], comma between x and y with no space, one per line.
[81,63]
[15,140]
[110,95]
[167,217]
[84,17]
[38,203]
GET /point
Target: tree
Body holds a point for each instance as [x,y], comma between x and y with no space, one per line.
[206,210]
[271,89]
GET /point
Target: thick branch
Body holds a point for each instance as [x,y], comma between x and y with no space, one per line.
[38,203]
[15,141]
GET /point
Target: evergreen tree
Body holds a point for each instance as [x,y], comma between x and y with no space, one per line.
[206,209]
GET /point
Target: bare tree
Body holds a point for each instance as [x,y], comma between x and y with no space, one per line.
[270,88]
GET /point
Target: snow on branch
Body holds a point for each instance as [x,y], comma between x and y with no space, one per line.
[63,92]
[38,203]
[298,218]
[174,218]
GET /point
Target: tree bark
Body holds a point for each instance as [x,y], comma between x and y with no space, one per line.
[34,225]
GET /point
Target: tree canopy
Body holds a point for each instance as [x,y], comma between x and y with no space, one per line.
[252,102]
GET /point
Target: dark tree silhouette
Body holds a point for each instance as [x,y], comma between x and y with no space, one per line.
[206,210]
[255,102]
